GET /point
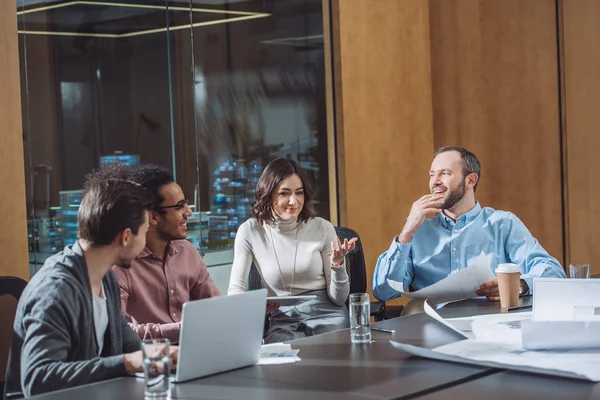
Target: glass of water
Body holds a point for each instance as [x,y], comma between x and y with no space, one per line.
[580,271]
[360,310]
[157,368]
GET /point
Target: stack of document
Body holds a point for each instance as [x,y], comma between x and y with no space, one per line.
[277,353]
[566,315]
[561,336]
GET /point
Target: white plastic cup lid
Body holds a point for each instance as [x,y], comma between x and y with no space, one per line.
[508,268]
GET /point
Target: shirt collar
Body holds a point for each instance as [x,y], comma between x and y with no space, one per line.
[171,251]
[77,249]
[461,221]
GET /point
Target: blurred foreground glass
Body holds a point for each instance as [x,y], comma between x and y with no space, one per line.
[360,328]
[157,368]
[580,271]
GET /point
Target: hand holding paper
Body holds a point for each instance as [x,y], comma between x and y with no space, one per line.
[461,285]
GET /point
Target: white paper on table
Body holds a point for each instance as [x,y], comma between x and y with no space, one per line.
[491,327]
[277,353]
[501,328]
[566,315]
[433,314]
[557,299]
[458,286]
[554,335]
[579,364]
[498,341]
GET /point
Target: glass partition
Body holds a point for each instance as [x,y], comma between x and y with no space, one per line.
[211,89]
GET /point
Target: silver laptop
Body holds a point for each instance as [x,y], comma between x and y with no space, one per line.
[220,334]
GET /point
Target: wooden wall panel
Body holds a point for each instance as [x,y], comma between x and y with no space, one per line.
[581,50]
[495,91]
[383,114]
[13,235]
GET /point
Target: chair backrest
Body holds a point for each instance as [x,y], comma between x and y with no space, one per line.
[10,291]
[254,279]
[355,261]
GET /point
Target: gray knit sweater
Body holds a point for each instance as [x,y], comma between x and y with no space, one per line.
[54,344]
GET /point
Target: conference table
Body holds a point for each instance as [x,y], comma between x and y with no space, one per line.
[333,368]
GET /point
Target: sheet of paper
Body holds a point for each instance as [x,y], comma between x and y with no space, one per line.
[502,328]
[553,335]
[515,341]
[491,327]
[277,353]
[572,364]
[556,299]
[429,310]
[566,315]
[460,285]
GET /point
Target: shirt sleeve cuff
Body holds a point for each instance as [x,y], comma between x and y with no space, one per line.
[170,331]
[115,364]
[400,247]
[339,274]
[529,281]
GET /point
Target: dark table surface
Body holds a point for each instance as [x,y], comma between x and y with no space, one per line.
[515,385]
[331,367]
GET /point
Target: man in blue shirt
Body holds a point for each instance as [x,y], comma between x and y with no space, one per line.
[447,229]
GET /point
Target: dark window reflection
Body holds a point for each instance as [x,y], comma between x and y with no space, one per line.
[211,89]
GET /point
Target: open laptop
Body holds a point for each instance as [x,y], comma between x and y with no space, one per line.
[220,334]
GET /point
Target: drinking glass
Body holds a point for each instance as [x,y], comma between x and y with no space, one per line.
[360,310]
[581,271]
[157,368]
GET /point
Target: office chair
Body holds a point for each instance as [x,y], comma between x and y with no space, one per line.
[254,279]
[10,292]
[357,270]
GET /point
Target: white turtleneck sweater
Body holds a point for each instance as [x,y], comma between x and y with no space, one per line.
[267,244]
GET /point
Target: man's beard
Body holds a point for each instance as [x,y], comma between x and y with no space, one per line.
[455,196]
[166,235]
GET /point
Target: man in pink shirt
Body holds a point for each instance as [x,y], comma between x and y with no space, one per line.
[169,271]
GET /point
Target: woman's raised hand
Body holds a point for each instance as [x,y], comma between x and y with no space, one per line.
[339,250]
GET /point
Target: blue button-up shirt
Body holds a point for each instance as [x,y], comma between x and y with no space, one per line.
[441,247]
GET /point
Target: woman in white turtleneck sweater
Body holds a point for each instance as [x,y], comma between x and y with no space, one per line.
[295,253]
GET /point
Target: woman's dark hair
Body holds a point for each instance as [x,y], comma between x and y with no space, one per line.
[110,205]
[275,172]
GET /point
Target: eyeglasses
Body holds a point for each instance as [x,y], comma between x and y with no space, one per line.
[178,207]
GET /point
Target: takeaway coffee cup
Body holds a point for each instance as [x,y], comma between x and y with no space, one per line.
[509,284]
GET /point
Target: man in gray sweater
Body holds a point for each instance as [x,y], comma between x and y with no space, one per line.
[68,328]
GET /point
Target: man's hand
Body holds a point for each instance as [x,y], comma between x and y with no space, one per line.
[174,352]
[426,207]
[133,362]
[489,289]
